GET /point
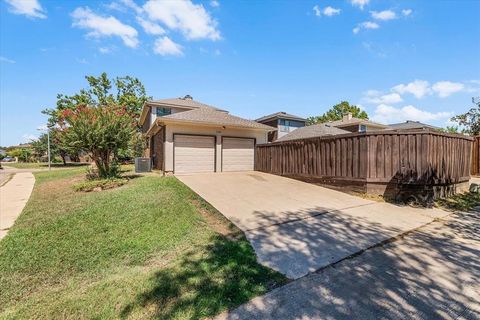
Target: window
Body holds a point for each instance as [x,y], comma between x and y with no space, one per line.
[284,125]
[363,128]
[163,111]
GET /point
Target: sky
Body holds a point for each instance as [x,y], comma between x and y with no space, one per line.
[398,60]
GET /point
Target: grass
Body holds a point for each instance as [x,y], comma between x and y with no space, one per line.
[148,249]
[460,202]
[42,165]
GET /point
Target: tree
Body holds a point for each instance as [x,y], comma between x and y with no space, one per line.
[127,91]
[449,129]
[101,131]
[40,146]
[23,154]
[337,112]
[471,119]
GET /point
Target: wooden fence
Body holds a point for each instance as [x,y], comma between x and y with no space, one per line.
[476,157]
[371,161]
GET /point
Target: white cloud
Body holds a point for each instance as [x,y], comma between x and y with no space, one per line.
[104,26]
[419,88]
[446,88]
[376,97]
[164,46]
[28,137]
[81,60]
[192,20]
[214,3]
[388,114]
[328,11]
[105,50]
[132,5]
[365,25]
[407,12]
[5,59]
[359,3]
[29,8]
[150,27]
[383,15]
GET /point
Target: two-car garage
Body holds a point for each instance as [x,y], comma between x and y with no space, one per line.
[198,153]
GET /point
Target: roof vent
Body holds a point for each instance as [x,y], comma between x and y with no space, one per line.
[187,97]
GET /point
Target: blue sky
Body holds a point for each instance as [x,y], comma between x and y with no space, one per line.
[399,60]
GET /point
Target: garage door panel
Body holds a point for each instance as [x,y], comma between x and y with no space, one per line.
[238,154]
[194,154]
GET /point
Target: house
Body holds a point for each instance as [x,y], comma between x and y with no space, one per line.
[316,130]
[283,122]
[352,124]
[185,135]
[411,125]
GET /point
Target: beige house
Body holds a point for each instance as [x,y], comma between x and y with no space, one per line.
[283,122]
[187,136]
[352,124]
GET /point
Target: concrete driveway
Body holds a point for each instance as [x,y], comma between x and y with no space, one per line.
[296,227]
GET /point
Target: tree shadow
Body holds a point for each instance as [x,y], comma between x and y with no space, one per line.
[429,274]
[207,281]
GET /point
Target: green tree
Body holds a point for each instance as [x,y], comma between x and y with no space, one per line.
[101,131]
[127,92]
[40,147]
[337,112]
[23,154]
[450,129]
[471,119]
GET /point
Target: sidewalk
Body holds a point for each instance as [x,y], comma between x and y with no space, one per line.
[13,197]
[431,273]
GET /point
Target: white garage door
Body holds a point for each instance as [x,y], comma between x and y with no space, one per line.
[194,154]
[238,154]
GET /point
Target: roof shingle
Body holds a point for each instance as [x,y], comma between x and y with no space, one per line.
[216,117]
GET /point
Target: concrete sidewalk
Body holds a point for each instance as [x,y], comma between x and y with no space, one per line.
[13,197]
[431,273]
[296,227]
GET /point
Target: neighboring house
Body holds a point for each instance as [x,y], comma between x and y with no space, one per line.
[353,124]
[185,136]
[316,130]
[411,125]
[283,122]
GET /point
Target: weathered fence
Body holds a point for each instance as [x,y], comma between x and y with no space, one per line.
[476,157]
[375,162]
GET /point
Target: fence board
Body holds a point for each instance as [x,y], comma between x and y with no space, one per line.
[374,156]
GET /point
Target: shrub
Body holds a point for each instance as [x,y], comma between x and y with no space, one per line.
[99,184]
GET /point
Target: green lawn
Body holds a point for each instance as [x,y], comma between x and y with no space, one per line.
[148,249]
[462,201]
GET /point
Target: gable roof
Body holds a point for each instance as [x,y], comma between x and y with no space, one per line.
[280,115]
[316,130]
[186,102]
[208,116]
[353,121]
[410,124]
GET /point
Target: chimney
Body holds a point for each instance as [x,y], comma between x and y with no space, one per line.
[347,117]
[188,97]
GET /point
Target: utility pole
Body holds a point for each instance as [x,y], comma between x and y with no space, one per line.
[48,148]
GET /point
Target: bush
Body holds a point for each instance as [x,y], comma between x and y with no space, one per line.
[99,184]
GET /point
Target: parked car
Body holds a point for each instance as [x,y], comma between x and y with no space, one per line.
[8,159]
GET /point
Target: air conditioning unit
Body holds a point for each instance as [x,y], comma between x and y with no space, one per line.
[143,165]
